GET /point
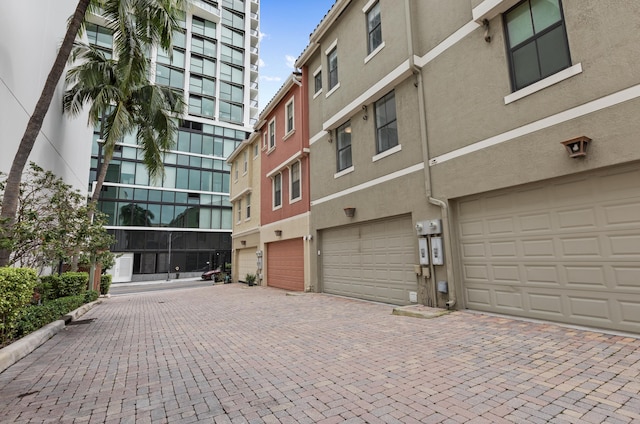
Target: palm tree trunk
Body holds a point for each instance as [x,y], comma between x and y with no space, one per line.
[12,188]
[102,175]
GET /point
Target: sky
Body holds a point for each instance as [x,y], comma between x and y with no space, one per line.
[285,26]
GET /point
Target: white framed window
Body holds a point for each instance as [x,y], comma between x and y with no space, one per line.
[295,178]
[537,43]
[277,191]
[332,66]
[343,146]
[245,158]
[317,82]
[248,201]
[235,170]
[239,211]
[256,149]
[386,123]
[271,134]
[374,27]
[289,116]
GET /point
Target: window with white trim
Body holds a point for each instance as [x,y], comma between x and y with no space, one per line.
[386,123]
[332,65]
[245,157]
[317,82]
[271,135]
[277,191]
[248,206]
[343,146]
[239,210]
[374,27]
[294,172]
[235,170]
[537,42]
[289,116]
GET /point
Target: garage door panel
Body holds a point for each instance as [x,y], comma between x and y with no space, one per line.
[285,264]
[372,261]
[247,263]
[564,250]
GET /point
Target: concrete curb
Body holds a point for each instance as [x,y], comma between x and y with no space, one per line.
[17,350]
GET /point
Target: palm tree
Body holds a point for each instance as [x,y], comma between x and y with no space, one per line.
[121,97]
[12,190]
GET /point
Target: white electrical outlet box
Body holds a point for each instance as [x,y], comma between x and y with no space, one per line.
[430,227]
[423,250]
[437,255]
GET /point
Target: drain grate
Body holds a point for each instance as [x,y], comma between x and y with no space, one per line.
[82,321]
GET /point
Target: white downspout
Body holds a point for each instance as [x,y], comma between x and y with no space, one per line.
[425,157]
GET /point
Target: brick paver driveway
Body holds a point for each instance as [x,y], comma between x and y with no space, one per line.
[233,353]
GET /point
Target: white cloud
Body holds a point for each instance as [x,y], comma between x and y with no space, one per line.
[270,79]
[261,63]
[262,35]
[290,61]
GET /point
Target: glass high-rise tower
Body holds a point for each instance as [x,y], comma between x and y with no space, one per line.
[184,221]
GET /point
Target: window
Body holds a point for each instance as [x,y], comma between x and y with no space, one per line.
[200,85]
[203,46]
[248,205]
[536,41]
[230,55]
[177,59]
[295,180]
[332,61]
[170,77]
[235,170]
[256,149]
[374,27]
[231,73]
[231,112]
[201,106]
[289,116]
[234,38]
[245,157]
[232,93]
[239,210]
[343,134]
[272,134]
[277,190]
[203,66]
[317,82]
[203,27]
[386,124]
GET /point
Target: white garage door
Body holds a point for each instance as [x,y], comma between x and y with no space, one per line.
[372,261]
[567,250]
[247,263]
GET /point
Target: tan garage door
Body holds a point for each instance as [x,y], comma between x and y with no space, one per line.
[567,250]
[372,261]
[247,262]
[285,264]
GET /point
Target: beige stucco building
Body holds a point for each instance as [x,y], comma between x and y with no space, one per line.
[440,126]
[245,197]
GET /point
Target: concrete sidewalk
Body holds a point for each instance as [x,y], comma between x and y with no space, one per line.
[238,354]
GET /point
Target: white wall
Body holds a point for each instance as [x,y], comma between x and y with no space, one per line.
[30,33]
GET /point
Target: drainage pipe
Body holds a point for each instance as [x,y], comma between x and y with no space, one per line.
[417,72]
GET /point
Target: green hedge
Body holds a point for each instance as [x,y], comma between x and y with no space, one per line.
[105,283]
[34,317]
[72,284]
[16,291]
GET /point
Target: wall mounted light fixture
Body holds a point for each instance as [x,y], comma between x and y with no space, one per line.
[349,212]
[243,242]
[278,233]
[487,27]
[577,147]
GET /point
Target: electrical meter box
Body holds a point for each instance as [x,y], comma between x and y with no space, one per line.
[432,226]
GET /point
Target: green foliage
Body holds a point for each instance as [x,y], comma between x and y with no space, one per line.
[53,224]
[105,283]
[16,291]
[250,279]
[91,296]
[72,284]
[48,287]
[34,317]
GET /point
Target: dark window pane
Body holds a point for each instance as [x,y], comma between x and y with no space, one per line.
[525,65]
[554,56]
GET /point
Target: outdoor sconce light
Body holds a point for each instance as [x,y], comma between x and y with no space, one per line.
[365,116]
[577,147]
[349,212]
[278,233]
[487,28]
[243,242]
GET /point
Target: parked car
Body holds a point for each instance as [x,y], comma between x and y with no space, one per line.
[212,274]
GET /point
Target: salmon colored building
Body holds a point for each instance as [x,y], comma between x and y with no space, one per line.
[286,244]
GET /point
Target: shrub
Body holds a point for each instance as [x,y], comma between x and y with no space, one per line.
[48,287]
[105,283]
[16,291]
[72,284]
[35,317]
[91,295]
